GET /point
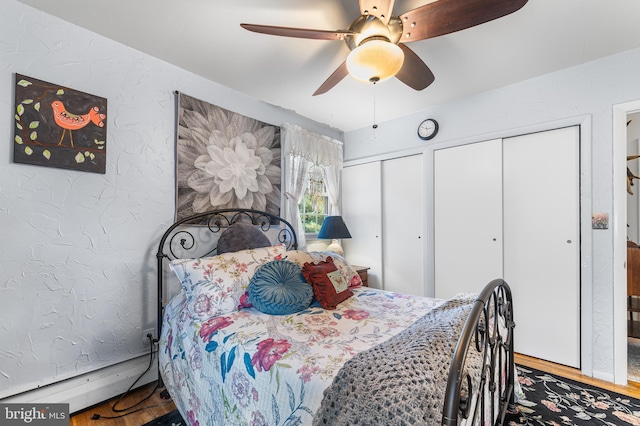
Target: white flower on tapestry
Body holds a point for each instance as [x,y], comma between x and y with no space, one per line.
[235,172]
[225,160]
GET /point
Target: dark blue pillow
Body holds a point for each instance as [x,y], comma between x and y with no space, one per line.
[242,236]
[279,288]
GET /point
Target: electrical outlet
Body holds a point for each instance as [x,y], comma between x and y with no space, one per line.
[151,331]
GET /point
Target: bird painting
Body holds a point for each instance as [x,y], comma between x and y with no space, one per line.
[58,126]
[71,122]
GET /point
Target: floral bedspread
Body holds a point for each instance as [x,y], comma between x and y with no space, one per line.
[250,368]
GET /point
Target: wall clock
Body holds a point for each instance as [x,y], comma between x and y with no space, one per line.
[428,129]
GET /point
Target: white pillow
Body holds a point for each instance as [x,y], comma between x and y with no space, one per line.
[217,285]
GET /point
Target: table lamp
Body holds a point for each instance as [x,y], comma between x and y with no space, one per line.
[333,228]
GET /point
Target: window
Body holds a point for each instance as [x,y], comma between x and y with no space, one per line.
[313,166]
[314,206]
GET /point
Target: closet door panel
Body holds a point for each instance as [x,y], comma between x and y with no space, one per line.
[468,217]
[402,225]
[542,242]
[361,210]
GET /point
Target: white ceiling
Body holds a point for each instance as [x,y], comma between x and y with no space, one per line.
[205,37]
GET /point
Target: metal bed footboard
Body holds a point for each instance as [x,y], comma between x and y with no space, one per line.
[487,335]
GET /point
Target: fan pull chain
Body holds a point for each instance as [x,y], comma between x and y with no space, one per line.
[375,125]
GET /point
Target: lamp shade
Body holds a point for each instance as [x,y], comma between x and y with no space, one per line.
[375,60]
[333,227]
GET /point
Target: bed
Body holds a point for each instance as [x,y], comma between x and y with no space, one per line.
[242,341]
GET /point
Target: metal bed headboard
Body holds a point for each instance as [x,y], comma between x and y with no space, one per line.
[180,240]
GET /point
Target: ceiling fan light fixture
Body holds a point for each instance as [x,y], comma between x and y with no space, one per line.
[375,60]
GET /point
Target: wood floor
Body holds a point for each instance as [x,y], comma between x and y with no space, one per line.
[158,406]
[141,417]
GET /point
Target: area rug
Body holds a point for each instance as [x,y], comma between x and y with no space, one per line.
[170,419]
[552,400]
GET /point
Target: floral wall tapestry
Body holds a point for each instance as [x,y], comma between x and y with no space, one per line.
[224,160]
[59,127]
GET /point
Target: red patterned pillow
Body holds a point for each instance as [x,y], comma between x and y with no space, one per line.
[329,284]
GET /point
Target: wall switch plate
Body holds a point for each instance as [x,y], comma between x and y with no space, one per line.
[151,331]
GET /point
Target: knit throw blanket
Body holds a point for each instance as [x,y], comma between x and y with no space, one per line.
[401,381]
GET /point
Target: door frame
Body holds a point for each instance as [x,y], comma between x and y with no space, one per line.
[619,226]
[586,240]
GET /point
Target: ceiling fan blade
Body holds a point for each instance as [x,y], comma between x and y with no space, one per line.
[448,16]
[297,32]
[335,78]
[414,72]
[381,9]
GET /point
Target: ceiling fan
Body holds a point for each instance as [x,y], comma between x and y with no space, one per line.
[377,38]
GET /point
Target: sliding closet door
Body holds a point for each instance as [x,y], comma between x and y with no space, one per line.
[361,210]
[542,242]
[402,221]
[468,217]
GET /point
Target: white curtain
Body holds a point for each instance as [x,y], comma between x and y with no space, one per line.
[297,173]
[302,150]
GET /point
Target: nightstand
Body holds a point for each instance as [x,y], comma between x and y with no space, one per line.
[364,275]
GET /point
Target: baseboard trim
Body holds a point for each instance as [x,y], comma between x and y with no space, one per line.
[92,388]
[607,377]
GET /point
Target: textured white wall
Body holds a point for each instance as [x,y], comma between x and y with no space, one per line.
[587,90]
[77,279]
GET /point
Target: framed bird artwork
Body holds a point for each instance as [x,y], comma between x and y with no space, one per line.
[56,126]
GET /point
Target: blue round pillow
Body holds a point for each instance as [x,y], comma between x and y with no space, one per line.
[279,288]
